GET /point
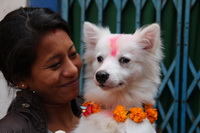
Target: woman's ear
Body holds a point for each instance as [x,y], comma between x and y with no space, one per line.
[21,84]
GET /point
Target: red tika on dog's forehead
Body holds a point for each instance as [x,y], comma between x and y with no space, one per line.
[113,44]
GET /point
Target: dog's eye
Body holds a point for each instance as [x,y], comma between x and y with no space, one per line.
[100,59]
[124,60]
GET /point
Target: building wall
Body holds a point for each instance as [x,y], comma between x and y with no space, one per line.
[7,94]
[9,5]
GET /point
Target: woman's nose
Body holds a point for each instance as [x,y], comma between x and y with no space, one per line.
[70,69]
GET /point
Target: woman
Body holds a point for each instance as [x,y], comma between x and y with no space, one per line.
[38,56]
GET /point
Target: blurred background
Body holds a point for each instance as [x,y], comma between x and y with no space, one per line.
[178,99]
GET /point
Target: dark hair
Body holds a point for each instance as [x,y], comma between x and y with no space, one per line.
[20,32]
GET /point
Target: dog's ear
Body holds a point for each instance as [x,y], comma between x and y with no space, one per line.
[150,36]
[92,33]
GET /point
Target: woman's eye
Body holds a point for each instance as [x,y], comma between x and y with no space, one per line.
[73,54]
[55,65]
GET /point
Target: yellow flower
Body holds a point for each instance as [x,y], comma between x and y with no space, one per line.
[137,114]
[120,113]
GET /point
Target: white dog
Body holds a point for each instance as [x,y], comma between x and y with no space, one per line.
[121,69]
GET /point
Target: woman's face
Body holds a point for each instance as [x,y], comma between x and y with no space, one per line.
[55,73]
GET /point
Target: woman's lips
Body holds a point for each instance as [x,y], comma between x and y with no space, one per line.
[71,83]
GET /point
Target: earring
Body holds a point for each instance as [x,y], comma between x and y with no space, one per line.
[23,86]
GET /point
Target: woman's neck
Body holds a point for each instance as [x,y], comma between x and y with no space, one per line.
[60,117]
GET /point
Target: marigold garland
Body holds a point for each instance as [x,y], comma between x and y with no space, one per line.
[137,114]
[90,108]
[120,113]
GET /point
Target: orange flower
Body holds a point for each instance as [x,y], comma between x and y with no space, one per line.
[87,103]
[120,113]
[96,108]
[90,108]
[137,114]
[147,106]
[152,115]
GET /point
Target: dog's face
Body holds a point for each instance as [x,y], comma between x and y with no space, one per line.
[118,60]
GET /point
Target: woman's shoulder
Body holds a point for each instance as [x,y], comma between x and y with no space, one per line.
[25,113]
[14,122]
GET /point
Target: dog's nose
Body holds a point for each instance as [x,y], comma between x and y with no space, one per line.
[102,76]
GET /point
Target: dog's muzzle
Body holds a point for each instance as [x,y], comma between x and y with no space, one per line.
[102,76]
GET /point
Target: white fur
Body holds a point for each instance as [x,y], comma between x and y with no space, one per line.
[140,76]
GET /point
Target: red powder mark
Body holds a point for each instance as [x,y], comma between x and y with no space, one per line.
[54,31]
[113,45]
